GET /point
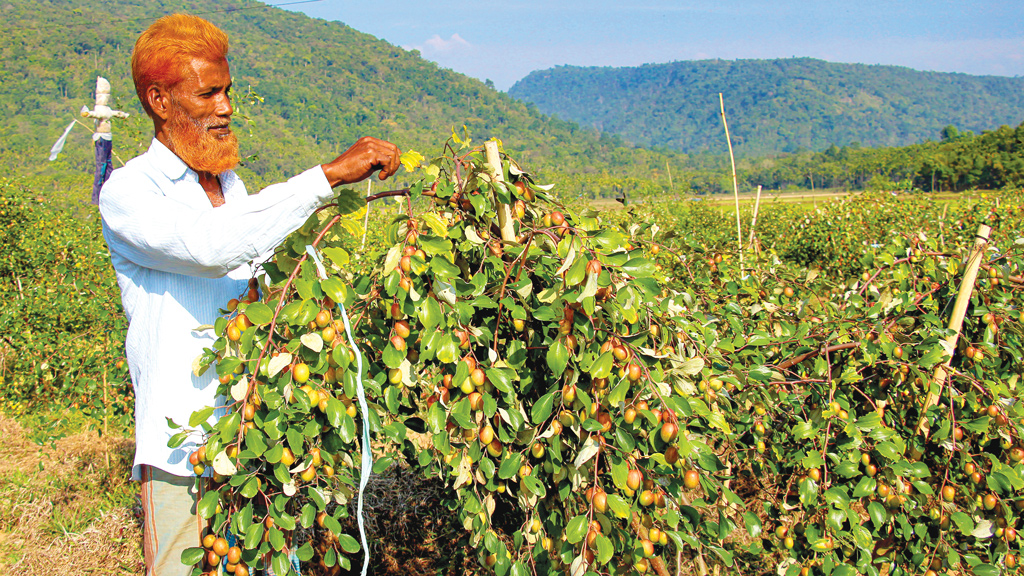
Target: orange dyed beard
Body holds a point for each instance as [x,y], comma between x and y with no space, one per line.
[197,147]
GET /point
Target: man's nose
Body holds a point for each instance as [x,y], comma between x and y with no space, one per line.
[224,108]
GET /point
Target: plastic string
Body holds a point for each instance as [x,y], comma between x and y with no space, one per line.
[367,457]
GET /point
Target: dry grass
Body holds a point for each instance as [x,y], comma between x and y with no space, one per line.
[63,509]
[67,507]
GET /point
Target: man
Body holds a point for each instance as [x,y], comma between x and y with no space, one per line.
[181,231]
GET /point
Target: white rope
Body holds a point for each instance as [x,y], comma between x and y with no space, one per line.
[367,458]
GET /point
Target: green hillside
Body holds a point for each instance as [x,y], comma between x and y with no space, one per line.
[322,85]
[773,106]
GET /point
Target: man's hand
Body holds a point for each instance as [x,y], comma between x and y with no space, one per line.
[363,159]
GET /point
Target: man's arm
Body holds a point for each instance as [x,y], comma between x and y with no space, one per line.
[158,232]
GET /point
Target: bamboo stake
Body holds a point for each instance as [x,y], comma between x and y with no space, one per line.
[508,233]
[956,322]
[669,169]
[735,185]
[753,220]
[942,243]
[366,217]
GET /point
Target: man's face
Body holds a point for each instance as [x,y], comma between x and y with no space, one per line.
[199,125]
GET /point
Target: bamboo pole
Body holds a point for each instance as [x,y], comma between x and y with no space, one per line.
[366,217]
[508,233]
[942,236]
[735,185]
[956,322]
[753,220]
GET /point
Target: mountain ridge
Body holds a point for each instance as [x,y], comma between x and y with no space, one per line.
[773,106]
[316,86]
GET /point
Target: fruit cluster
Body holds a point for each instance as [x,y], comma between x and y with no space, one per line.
[598,403]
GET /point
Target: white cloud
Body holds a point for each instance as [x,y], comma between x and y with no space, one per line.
[435,44]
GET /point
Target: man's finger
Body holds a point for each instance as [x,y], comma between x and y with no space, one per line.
[392,161]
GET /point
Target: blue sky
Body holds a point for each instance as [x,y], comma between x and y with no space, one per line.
[504,41]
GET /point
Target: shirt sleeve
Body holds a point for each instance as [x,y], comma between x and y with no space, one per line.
[155,231]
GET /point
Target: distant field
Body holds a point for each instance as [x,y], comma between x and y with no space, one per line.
[805,198]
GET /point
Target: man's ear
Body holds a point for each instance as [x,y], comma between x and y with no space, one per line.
[159,100]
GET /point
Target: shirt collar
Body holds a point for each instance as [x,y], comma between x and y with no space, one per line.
[166,161]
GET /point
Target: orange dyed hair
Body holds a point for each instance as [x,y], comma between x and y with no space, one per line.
[164,50]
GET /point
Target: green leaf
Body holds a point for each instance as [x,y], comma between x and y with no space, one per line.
[574,275]
[753,524]
[279,561]
[443,269]
[501,378]
[200,416]
[339,256]
[177,439]
[618,505]
[391,398]
[510,466]
[576,529]
[803,431]
[808,491]
[933,357]
[208,505]
[542,408]
[305,552]
[888,450]
[259,313]
[392,357]
[865,487]
[520,569]
[986,570]
[429,313]
[461,413]
[253,535]
[250,488]
[335,410]
[382,464]
[347,430]
[336,289]
[963,522]
[605,550]
[639,267]
[348,201]
[602,367]
[535,486]
[618,393]
[190,556]
[436,417]
[557,358]
[878,514]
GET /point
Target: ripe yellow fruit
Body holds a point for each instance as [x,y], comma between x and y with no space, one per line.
[646,498]
[308,474]
[486,435]
[220,547]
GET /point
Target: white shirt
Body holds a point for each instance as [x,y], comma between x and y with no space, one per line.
[178,260]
